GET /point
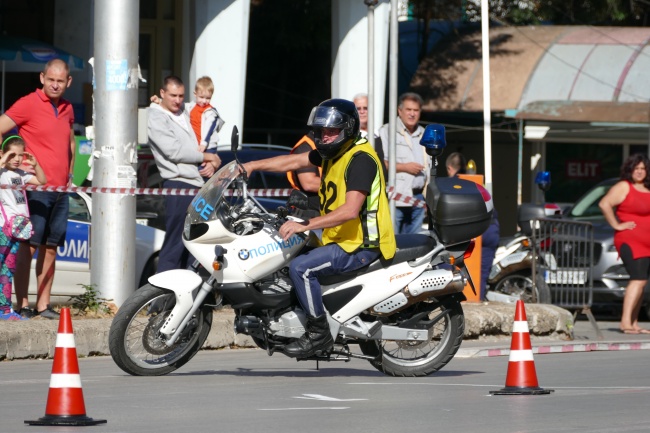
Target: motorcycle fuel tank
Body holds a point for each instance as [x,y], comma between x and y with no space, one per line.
[264,252]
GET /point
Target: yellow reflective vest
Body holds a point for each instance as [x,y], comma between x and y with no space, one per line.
[373,227]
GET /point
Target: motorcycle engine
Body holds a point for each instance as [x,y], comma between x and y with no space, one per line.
[276,283]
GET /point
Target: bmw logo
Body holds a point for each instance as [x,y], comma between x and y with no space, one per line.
[243,255]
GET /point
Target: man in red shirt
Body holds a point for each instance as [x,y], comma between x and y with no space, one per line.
[44,120]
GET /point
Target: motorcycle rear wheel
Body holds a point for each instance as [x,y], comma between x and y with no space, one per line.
[521,284]
[133,338]
[421,358]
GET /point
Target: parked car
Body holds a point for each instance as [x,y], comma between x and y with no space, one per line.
[609,275]
[73,258]
[149,177]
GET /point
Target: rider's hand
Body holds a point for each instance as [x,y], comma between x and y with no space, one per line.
[247,167]
[290,228]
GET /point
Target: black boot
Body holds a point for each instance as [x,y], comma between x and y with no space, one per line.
[318,338]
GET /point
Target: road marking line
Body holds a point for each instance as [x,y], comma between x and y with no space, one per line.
[308,408]
[325,398]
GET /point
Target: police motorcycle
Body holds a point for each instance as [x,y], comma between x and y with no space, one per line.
[510,277]
[402,315]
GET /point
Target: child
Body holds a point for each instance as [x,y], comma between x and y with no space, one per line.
[205,119]
[13,202]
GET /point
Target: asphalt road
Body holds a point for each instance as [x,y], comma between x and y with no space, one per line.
[246,391]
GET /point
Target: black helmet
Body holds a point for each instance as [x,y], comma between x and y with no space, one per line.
[334,113]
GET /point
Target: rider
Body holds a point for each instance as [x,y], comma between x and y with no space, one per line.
[354,213]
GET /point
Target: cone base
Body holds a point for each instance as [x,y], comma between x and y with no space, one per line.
[515,390]
[74,420]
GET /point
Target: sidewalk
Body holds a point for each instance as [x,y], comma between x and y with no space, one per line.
[487,333]
[585,339]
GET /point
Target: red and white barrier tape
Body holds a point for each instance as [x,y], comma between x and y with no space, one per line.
[277,192]
[140,191]
[405,198]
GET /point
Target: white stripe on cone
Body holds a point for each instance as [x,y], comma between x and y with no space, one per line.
[65,340]
[65,381]
[520,326]
[520,355]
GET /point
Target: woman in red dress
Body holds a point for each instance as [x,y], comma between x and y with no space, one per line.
[626,208]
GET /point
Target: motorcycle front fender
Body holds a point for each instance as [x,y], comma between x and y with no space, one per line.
[182,282]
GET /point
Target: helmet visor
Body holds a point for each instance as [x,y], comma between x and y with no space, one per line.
[328,117]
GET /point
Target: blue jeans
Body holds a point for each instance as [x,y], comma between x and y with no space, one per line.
[173,254]
[48,212]
[327,260]
[409,219]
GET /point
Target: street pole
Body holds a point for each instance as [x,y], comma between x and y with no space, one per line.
[520,168]
[371,70]
[112,259]
[487,121]
[392,99]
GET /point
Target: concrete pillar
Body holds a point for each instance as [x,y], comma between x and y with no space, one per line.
[220,31]
[350,52]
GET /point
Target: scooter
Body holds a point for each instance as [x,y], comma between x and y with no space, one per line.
[402,315]
[510,277]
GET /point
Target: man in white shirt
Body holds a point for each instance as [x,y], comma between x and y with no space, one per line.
[411,165]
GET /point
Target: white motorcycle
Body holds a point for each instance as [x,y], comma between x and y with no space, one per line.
[403,315]
[510,277]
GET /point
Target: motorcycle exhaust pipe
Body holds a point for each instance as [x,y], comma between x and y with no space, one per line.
[438,282]
[243,324]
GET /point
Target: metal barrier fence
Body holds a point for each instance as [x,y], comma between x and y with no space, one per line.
[565,256]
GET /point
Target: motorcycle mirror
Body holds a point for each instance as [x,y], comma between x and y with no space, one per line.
[234,144]
[234,139]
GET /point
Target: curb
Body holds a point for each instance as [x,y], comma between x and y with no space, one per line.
[35,339]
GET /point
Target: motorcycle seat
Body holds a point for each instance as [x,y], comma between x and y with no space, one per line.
[409,247]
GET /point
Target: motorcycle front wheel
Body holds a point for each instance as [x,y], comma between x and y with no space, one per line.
[134,340]
[445,326]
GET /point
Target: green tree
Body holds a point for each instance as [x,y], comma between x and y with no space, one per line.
[525,12]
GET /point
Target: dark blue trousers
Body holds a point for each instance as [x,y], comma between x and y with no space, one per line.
[490,242]
[327,260]
[173,254]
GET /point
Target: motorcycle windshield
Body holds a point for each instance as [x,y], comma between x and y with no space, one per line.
[208,204]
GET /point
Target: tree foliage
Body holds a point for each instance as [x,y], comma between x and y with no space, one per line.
[525,12]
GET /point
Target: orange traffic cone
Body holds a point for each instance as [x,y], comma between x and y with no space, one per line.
[65,401]
[521,378]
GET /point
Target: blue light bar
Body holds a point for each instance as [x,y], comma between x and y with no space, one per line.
[434,137]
